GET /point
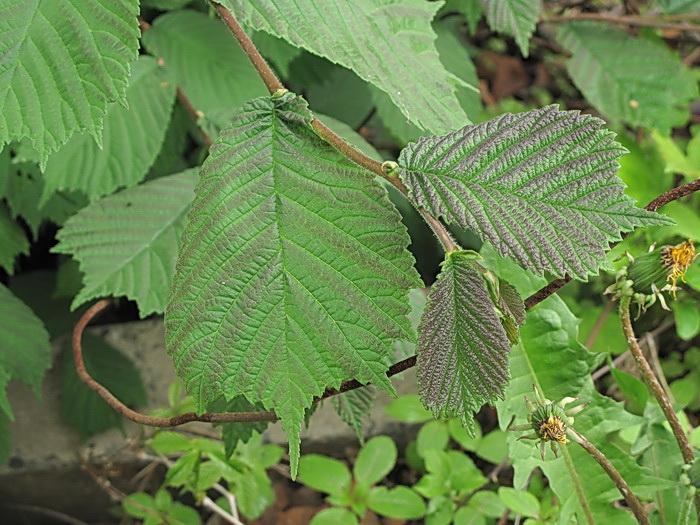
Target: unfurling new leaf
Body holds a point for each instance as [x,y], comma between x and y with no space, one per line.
[293,275]
[462,346]
[540,186]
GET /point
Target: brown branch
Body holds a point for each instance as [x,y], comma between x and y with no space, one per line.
[638,21]
[194,115]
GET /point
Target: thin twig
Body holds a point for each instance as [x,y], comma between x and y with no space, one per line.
[194,115]
[638,21]
[43,511]
[656,365]
[630,497]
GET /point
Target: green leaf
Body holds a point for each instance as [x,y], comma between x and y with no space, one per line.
[400,503]
[540,186]
[204,60]
[25,353]
[408,409]
[551,357]
[127,243]
[632,388]
[4,438]
[687,318]
[432,436]
[83,408]
[324,474]
[384,42]
[643,83]
[12,239]
[354,407]
[462,347]
[235,433]
[282,227]
[519,501]
[132,139]
[405,349]
[334,516]
[62,63]
[375,460]
[516,18]
[168,442]
[471,9]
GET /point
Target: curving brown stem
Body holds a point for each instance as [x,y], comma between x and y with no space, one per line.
[630,497]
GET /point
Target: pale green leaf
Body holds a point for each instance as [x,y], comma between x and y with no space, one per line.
[551,357]
[62,63]
[131,139]
[325,474]
[205,61]
[83,408]
[399,502]
[12,240]
[519,501]
[642,83]
[354,407]
[293,275]
[540,186]
[375,460]
[516,18]
[127,243]
[386,42]
[462,347]
[25,352]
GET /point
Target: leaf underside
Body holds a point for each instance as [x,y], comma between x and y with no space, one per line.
[462,347]
[389,43]
[354,407]
[62,63]
[293,274]
[642,83]
[540,186]
[127,243]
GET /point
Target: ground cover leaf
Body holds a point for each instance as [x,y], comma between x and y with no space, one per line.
[127,243]
[462,346]
[132,137]
[389,43]
[94,40]
[643,83]
[540,186]
[293,274]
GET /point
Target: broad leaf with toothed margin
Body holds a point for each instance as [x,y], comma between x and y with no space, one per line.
[293,274]
[132,139]
[517,18]
[540,186]
[62,63]
[127,243]
[389,43]
[462,347]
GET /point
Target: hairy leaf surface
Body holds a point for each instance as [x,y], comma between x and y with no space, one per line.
[517,18]
[386,42]
[127,243]
[25,352]
[293,274]
[643,83]
[205,60]
[462,347]
[551,357]
[540,186]
[62,63]
[132,137]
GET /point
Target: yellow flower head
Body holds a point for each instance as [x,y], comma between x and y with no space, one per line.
[678,259]
[553,429]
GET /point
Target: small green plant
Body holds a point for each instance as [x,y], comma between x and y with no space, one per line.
[352,494]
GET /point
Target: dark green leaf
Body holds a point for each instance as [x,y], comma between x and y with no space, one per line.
[643,83]
[540,186]
[516,18]
[233,433]
[62,63]
[12,239]
[25,352]
[281,228]
[83,408]
[132,139]
[632,388]
[383,42]
[354,407]
[4,438]
[127,243]
[462,347]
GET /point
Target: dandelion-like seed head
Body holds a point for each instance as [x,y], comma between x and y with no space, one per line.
[678,259]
